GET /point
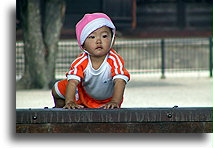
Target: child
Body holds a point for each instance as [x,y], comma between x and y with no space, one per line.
[97,77]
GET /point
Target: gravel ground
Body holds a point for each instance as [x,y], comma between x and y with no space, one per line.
[147,92]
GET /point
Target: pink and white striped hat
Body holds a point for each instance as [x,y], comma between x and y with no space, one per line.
[90,23]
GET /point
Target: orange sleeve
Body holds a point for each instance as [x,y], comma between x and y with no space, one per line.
[76,70]
[117,64]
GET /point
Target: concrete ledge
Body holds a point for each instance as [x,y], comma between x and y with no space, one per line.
[124,120]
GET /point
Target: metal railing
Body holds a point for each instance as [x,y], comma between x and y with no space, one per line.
[142,56]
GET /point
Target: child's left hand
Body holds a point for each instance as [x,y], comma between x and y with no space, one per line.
[111,105]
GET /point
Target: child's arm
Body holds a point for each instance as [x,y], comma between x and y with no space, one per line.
[117,96]
[70,95]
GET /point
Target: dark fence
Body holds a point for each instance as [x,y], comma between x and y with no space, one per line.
[147,56]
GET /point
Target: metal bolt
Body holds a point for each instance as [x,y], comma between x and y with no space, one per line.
[169,115]
[34,117]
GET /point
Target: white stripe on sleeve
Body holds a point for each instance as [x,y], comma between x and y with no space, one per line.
[75,67]
[115,64]
[119,62]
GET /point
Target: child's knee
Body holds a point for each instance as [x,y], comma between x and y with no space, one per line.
[53,91]
[54,94]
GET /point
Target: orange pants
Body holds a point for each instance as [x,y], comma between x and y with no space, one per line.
[81,97]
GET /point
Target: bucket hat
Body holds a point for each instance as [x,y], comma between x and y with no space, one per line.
[90,23]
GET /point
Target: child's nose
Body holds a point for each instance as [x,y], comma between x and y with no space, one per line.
[98,41]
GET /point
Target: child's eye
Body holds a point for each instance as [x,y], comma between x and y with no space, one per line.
[91,37]
[105,36]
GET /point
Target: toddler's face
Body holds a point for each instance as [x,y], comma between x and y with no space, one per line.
[98,42]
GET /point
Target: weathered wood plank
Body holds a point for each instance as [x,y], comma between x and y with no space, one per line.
[157,120]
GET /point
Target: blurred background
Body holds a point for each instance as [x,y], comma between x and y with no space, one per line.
[139,18]
[166,45]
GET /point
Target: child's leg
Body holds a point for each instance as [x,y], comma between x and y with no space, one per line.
[58,93]
[59,102]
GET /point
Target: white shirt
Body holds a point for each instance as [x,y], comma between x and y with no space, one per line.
[98,84]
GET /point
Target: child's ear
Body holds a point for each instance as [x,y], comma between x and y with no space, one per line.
[83,47]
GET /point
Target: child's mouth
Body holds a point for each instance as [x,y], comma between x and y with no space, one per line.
[99,48]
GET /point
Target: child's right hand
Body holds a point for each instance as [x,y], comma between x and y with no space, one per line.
[72,105]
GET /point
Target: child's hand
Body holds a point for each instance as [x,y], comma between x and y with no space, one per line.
[72,105]
[111,105]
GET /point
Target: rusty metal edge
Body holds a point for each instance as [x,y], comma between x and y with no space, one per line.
[124,115]
[161,127]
